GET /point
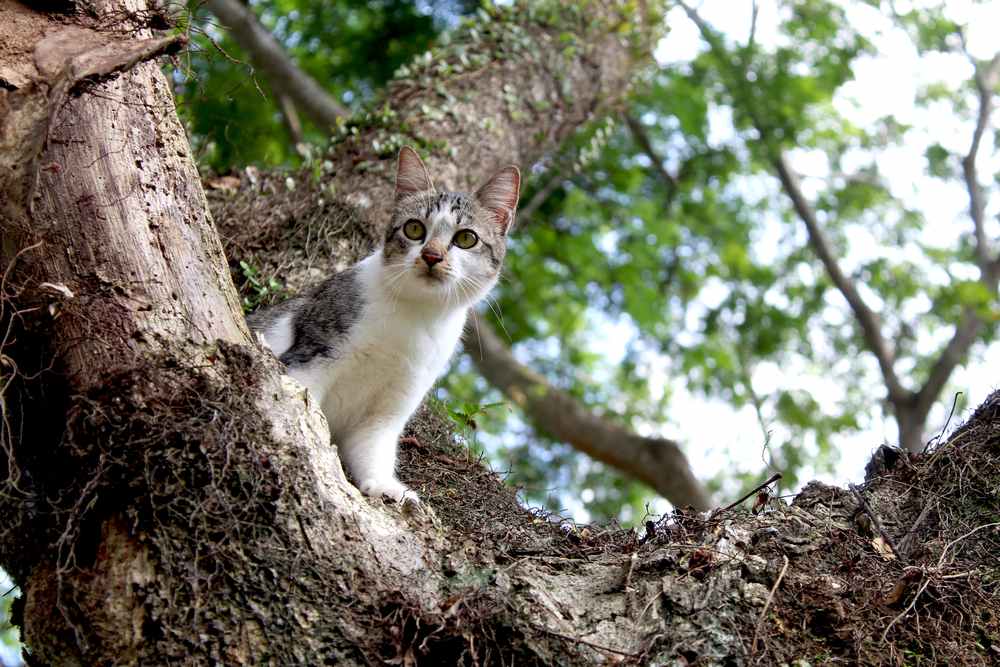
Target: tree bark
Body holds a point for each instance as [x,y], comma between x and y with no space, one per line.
[174,499]
[139,480]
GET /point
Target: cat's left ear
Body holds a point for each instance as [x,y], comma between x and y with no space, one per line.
[499,196]
[411,174]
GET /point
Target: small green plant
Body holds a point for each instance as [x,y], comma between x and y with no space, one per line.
[257,290]
[464,416]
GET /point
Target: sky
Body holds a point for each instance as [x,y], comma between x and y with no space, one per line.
[716,436]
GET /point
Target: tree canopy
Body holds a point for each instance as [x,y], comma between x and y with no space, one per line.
[666,248]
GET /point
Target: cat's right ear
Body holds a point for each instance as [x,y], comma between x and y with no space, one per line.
[411,174]
[499,196]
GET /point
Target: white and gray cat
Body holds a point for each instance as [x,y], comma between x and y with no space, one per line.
[370,341]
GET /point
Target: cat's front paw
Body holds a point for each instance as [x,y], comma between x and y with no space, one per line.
[392,488]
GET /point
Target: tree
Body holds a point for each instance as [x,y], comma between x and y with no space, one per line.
[682,231]
[676,242]
[969,315]
[185,506]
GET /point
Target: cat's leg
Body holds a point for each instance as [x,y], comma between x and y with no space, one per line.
[369,454]
[314,377]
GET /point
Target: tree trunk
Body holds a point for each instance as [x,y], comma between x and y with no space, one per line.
[173,498]
[911,420]
[157,501]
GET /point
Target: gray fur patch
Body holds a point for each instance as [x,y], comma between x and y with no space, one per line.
[322,319]
[261,319]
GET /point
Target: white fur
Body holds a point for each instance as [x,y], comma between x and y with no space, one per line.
[392,357]
[278,336]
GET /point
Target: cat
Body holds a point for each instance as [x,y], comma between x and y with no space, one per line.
[369,342]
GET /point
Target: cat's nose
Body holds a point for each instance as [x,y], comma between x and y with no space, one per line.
[431,256]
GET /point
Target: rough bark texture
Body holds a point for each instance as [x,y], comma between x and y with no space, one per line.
[175,502]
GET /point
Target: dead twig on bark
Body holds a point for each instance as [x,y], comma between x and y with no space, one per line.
[876,521]
[770,480]
[767,605]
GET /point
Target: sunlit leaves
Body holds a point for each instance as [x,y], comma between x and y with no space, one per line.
[350,47]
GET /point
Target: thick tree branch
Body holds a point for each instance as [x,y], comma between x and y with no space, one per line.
[658,462]
[60,61]
[966,332]
[270,57]
[867,319]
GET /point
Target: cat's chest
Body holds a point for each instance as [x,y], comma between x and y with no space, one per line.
[398,346]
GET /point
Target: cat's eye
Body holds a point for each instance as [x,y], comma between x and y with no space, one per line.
[414,230]
[465,239]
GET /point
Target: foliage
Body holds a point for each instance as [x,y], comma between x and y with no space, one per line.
[351,46]
[258,290]
[666,257]
[9,634]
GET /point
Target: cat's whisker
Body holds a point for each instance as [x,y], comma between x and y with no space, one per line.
[394,285]
[492,304]
[479,336]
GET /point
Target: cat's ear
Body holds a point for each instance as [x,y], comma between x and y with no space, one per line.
[499,196]
[411,174]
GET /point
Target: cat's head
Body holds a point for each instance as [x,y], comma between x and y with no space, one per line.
[447,247]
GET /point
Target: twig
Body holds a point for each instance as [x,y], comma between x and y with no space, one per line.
[955,541]
[628,574]
[290,116]
[770,480]
[954,403]
[875,520]
[628,582]
[904,544]
[923,587]
[586,643]
[767,604]
[642,138]
[928,578]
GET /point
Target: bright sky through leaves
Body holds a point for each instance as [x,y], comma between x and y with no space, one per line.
[720,438]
